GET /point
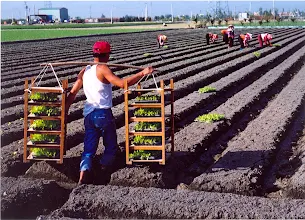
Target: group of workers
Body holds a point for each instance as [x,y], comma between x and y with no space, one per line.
[243,39]
[228,37]
[97,81]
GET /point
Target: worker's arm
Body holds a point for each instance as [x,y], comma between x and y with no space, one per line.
[76,87]
[114,80]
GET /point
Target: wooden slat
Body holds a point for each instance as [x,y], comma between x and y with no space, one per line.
[145,147]
[30,157]
[146,133]
[148,105]
[126,123]
[172,116]
[30,144]
[57,104]
[63,121]
[146,119]
[160,161]
[30,130]
[32,116]
[145,105]
[25,120]
[47,89]
[163,121]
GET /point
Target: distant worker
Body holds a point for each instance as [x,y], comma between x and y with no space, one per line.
[230,33]
[212,37]
[244,40]
[161,40]
[224,36]
[264,38]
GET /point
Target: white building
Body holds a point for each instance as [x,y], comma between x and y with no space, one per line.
[242,16]
[56,14]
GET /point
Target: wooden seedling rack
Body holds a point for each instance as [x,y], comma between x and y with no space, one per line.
[162,147]
[61,90]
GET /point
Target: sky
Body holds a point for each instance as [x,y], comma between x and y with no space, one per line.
[86,9]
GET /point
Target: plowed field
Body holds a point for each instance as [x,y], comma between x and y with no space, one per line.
[250,165]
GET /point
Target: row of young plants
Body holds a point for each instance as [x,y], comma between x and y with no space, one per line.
[39,124]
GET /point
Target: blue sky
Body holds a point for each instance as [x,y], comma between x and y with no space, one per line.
[137,8]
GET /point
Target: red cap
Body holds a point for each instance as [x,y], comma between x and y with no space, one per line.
[101,47]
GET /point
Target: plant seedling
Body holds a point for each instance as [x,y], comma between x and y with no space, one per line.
[146,140]
[207,89]
[45,124]
[44,110]
[42,152]
[152,126]
[48,97]
[42,138]
[147,112]
[257,54]
[145,154]
[165,47]
[147,54]
[209,118]
[148,98]
[140,154]
[277,45]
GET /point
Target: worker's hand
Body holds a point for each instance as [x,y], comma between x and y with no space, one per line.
[148,70]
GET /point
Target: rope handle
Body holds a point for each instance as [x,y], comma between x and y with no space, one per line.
[42,73]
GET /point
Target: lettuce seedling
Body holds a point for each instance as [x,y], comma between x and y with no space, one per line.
[48,97]
[44,110]
[211,117]
[43,152]
[146,140]
[147,112]
[45,124]
[148,98]
[152,126]
[257,54]
[206,89]
[43,138]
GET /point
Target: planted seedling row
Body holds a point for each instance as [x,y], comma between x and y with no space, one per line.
[254,148]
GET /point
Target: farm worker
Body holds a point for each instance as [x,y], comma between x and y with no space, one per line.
[212,37]
[97,81]
[230,33]
[264,38]
[161,40]
[224,36]
[244,40]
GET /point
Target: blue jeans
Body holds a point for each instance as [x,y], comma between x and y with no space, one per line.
[99,123]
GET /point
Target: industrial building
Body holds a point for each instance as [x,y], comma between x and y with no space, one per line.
[54,14]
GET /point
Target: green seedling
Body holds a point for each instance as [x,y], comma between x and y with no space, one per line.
[209,118]
[145,154]
[147,112]
[43,152]
[42,138]
[147,54]
[47,97]
[257,54]
[146,140]
[45,124]
[142,126]
[277,45]
[206,89]
[153,98]
[44,110]
[140,154]
[165,47]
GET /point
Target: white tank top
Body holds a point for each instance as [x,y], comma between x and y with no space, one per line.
[98,94]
